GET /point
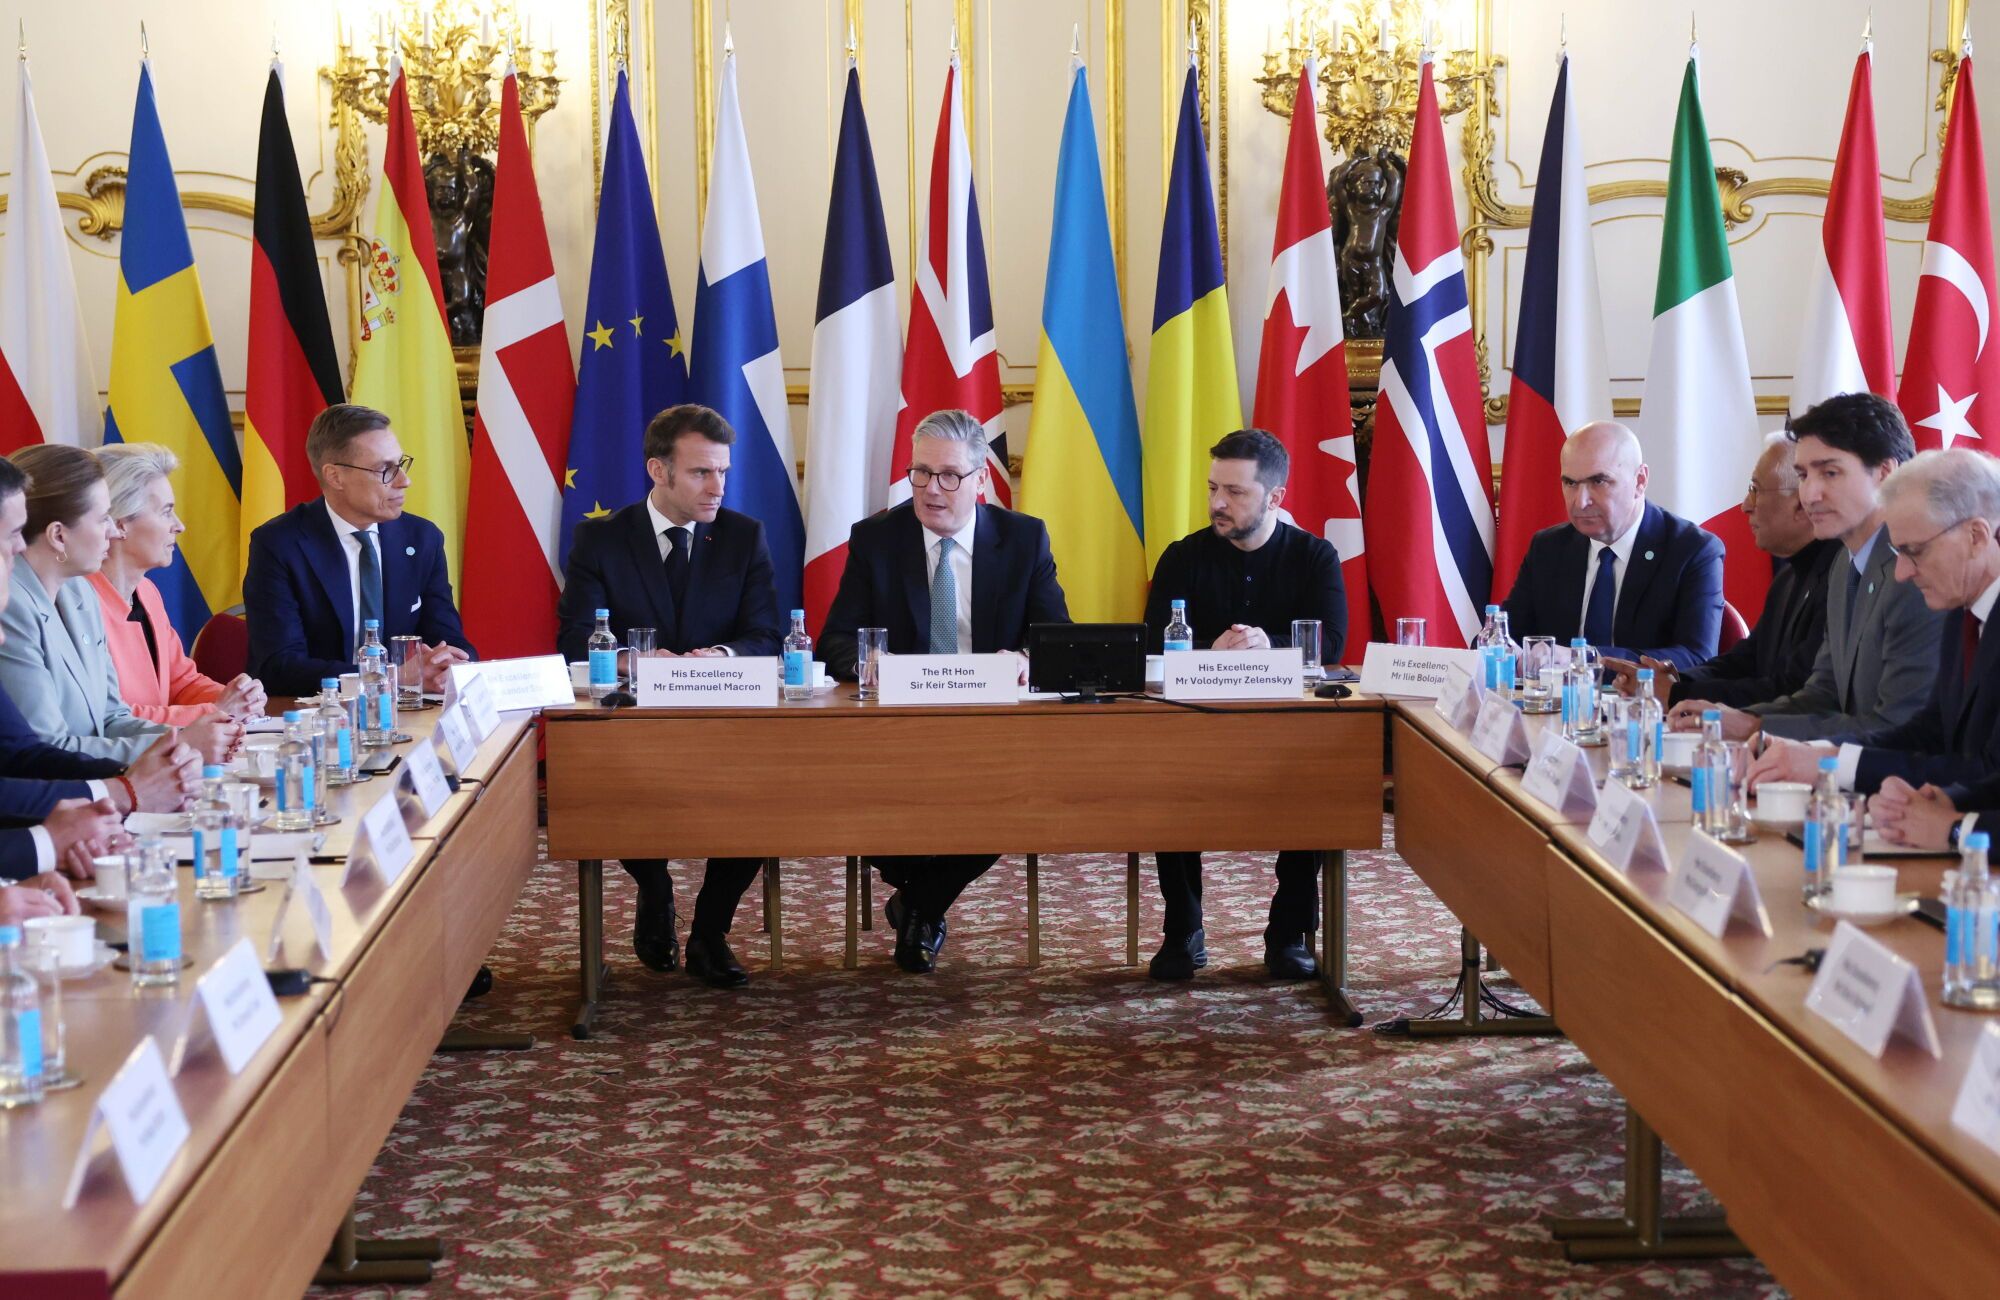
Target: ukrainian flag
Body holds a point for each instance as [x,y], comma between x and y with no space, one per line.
[165,384]
[1191,394]
[1083,474]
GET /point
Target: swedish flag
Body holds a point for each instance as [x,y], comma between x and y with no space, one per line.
[165,384]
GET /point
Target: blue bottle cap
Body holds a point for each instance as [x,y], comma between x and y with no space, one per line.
[604,613]
[1180,604]
[329,683]
[211,772]
[1493,609]
[291,715]
[368,623]
[1977,840]
[1645,674]
[798,613]
[1831,763]
[1578,643]
[1711,715]
[9,935]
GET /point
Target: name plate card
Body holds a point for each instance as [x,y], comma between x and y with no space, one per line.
[457,735]
[1870,994]
[1713,886]
[301,885]
[1501,733]
[481,714]
[1976,1113]
[1559,775]
[1460,699]
[950,679]
[1412,671]
[143,1115]
[382,843]
[236,1000]
[708,683]
[1625,832]
[531,682]
[1232,675]
[427,779]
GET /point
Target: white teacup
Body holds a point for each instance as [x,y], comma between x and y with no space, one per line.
[74,937]
[1677,748]
[579,675]
[1864,891]
[259,755]
[110,879]
[1782,801]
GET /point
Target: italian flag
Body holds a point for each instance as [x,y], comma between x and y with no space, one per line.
[1698,419]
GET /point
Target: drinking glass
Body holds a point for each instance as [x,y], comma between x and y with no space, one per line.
[870,644]
[1305,636]
[407,654]
[1736,795]
[1410,631]
[44,961]
[639,642]
[1539,692]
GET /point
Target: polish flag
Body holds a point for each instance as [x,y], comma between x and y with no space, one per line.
[1848,345]
[1302,375]
[950,360]
[1951,377]
[520,431]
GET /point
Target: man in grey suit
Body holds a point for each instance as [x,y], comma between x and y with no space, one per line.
[1875,667]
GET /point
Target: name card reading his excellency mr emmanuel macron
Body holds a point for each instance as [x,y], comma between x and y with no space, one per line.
[951,679]
[1233,675]
[708,683]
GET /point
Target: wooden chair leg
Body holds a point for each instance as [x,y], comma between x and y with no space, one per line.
[867,896]
[1131,909]
[774,912]
[1034,910]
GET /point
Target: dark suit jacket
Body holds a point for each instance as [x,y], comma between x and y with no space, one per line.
[1778,655]
[301,609]
[1296,575]
[885,585]
[1954,740]
[17,855]
[614,564]
[1669,605]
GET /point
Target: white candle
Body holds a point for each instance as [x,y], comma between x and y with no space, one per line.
[1383,41]
[485,29]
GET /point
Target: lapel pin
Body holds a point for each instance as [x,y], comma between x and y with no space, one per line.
[1649,555]
[411,550]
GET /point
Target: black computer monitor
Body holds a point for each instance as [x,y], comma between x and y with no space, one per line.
[1087,659]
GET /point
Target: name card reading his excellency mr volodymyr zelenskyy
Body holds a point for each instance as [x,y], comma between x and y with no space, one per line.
[950,679]
[1232,675]
[708,683]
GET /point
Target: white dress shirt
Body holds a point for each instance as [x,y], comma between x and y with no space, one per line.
[351,549]
[660,526]
[1981,609]
[1621,547]
[961,573]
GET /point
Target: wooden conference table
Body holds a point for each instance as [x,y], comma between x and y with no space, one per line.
[1841,1172]
[837,775]
[275,1154]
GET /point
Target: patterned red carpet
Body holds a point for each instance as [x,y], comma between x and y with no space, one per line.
[1075,1130]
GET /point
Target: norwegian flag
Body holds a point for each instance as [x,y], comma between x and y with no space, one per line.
[950,361]
[1429,512]
[1302,373]
[1951,378]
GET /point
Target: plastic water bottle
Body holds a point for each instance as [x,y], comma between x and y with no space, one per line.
[215,840]
[1972,931]
[378,700]
[371,637]
[1708,775]
[296,783]
[336,729]
[20,1026]
[152,916]
[603,657]
[1179,636]
[798,659]
[1486,644]
[1825,830]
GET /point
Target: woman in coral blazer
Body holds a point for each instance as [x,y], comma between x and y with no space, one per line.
[155,675]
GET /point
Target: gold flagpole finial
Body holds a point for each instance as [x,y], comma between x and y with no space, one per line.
[853,42]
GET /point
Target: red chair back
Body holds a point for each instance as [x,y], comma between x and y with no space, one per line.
[1734,629]
[222,647]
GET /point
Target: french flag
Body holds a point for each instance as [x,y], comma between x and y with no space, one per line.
[857,360]
[1429,512]
[1561,380]
[735,366]
[1847,344]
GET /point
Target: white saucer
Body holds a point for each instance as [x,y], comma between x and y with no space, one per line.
[103,956]
[1905,905]
[90,894]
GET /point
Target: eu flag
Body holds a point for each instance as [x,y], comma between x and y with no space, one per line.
[634,360]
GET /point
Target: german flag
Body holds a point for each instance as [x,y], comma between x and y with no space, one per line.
[293,371]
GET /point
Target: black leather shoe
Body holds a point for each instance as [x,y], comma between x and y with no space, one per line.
[917,942]
[653,936]
[710,961]
[1180,958]
[895,908]
[1290,958]
[482,984]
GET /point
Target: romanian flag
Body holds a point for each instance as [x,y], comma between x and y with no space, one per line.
[404,367]
[165,385]
[293,372]
[1083,475]
[1191,394]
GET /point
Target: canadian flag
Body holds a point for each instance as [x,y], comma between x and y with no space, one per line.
[1302,372]
[950,360]
[520,430]
[1951,376]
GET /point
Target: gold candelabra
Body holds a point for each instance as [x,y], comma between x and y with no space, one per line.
[1370,69]
[454,56]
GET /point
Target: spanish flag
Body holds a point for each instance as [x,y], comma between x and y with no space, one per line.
[1191,394]
[165,384]
[293,373]
[404,367]
[1083,474]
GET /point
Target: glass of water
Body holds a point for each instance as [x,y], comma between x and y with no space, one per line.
[1540,693]
[1305,635]
[639,642]
[1411,631]
[44,960]
[407,654]
[870,644]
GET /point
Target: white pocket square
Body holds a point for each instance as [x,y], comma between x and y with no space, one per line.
[419,605]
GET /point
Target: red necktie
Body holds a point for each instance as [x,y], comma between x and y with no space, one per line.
[1971,644]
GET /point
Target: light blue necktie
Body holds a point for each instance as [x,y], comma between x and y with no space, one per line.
[944,603]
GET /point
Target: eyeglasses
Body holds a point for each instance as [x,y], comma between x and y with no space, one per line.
[920,478]
[1914,552]
[1755,491]
[387,473]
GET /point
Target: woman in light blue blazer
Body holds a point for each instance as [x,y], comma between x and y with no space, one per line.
[53,661]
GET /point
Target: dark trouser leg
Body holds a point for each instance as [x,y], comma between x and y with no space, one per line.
[1295,907]
[721,889]
[651,873]
[897,872]
[1180,889]
[943,877]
